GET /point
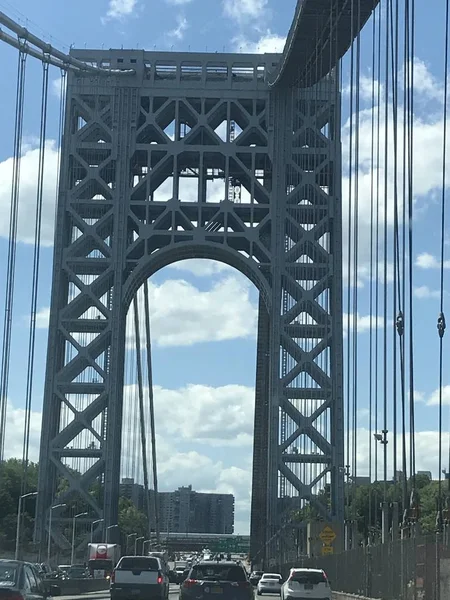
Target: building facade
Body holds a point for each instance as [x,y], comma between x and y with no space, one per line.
[185,510]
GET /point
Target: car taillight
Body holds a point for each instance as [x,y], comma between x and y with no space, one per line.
[245,584]
[160,579]
[13,596]
[189,583]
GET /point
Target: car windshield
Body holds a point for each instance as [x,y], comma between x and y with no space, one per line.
[139,563]
[8,575]
[276,576]
[311,577]
[218,573]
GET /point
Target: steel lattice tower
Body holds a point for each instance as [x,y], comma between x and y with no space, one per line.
[266,166]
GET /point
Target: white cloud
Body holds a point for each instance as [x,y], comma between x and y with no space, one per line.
[428,261]
[55,87]
[363,322]
[28,193]
[182,315]
[201,267]
[426,451]
[179,30]
[433,400]
[42,318]
[267,44]
[424,291]
[243,10]
[15,422]
[221,416]
[427,168]
[118,9]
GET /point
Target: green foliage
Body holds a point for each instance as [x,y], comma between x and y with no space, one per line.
[131,520]
[11,476]
[363,504]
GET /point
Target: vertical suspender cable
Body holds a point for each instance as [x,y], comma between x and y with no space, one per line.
[401,317]
[355,247]
[441,318]
[152,408]
[396,275]
[141,407]
[35,276]
[385,252]
[350,325]
[12,246]
[377,245]
[371,322]
[410,256]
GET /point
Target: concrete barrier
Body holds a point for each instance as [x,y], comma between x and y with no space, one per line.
[344,596]
[69,587]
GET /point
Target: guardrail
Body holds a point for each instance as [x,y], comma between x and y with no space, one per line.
[69,587]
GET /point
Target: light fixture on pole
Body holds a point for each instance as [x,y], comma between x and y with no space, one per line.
[52,508]
[138,539]
[143,545]
[19,519]
[128,537]
[92,527]
[72,556]
[107,530]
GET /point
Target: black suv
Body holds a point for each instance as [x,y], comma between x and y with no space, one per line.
[222,580]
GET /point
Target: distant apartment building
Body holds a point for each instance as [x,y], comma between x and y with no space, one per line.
[185,510]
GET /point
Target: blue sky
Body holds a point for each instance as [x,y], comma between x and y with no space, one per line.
[204,381]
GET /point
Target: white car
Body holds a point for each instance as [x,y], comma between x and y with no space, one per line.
[270,583]
[306,584]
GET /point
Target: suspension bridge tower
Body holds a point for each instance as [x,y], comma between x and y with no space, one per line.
[260,146]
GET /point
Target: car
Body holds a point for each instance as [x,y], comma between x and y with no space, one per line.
[255,576]
[270,583]
[306,583]
[20,580]
[212,579]
[140,577]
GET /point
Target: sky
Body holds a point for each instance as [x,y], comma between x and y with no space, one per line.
[204,313]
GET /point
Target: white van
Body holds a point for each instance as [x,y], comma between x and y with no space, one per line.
[306,584]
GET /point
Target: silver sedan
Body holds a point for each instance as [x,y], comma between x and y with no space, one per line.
[270,583]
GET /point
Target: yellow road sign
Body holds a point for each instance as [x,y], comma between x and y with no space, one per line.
[327,550]
[327,535]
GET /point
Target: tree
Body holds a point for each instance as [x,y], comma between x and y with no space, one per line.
[363,504]
[11,477]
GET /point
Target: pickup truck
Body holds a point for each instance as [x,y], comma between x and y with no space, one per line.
[140,577]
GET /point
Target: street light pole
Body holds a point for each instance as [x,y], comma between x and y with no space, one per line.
[128,537]
[50,530]
[108,528]
[143,545]
[92,527]
[138,539]
[72,556]
[19,519]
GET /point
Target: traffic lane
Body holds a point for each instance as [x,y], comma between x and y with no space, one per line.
[174,591]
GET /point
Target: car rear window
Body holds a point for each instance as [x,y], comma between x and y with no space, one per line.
[218,573]
[8,575]
[311,578]
[139,563]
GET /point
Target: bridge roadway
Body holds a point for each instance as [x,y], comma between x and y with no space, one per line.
[173,595]
[175,590]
